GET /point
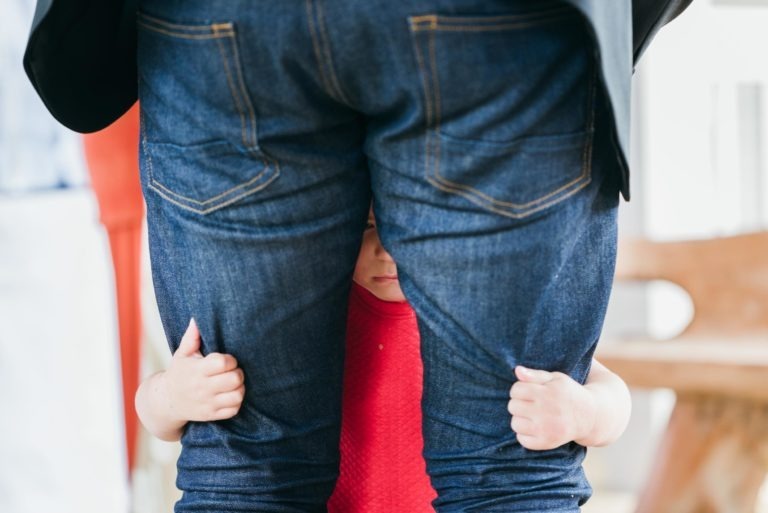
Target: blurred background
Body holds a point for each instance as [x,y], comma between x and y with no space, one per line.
[700,171]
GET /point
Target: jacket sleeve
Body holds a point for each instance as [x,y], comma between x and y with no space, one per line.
[648,16]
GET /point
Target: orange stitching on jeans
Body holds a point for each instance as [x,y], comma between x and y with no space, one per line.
[490,28]
[505,18]
[435,81]
[482,195]
[213,35]
[474,199]
[437,103]
[144,145]
[219,206]
[427,102]
[433,95]
[169,25]
[170,195]
[233,92]
[244,93]
[437,22]
[214,198]
[592,92]
[165,191]
[424,85]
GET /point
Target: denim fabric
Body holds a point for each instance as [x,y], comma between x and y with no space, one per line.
[480,129]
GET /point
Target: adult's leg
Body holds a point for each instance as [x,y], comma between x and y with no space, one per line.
[496,193]
[257,194]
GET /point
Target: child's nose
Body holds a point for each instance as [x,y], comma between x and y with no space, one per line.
[383,254]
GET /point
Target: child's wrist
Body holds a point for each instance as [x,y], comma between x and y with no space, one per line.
[587,425]
[173,418]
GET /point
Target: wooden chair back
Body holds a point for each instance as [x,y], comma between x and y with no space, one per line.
[726,278]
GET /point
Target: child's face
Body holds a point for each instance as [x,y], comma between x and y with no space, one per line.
[375,269]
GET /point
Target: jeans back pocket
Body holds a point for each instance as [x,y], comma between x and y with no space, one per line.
[199,126]
[509,105]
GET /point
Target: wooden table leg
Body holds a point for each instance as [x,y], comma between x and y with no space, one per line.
[712,458]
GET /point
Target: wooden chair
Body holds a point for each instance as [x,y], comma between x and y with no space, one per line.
[713,456]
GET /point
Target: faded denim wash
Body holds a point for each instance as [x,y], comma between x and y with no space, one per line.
[481,130]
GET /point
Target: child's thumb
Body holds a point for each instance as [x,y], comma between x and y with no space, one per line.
[190,342]
[532,375]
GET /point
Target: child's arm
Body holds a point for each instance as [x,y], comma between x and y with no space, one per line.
[550,408]
[193,388]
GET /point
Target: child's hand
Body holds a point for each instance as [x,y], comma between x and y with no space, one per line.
[202,388]
[549,409]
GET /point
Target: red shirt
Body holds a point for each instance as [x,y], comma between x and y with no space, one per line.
[382,469]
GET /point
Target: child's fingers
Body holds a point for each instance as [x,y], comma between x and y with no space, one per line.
[226,381]
[532,375]
[525,391]
[534,443]
[190,342]
[230,399]
[523,425]
[225,413]
[520,408]
[218,363]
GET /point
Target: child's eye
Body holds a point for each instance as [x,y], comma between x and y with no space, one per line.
[369,225]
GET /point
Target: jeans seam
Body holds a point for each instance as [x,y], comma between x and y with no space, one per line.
[322,49]
[438,22]
[184,206]
[202,31]
[159,185]
[433,158]
[214,35]
[235,96]
[244,93]
[316,45]
[329,57]
[171,26]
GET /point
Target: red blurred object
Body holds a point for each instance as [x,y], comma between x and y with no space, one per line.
[112,159]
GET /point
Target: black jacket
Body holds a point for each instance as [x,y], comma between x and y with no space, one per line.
[81,59]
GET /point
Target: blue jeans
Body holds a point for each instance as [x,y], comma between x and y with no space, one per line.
[479,127]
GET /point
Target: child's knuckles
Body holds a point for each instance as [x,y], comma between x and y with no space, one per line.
[518,407]
[229,383]
[217,362]
[520,390]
